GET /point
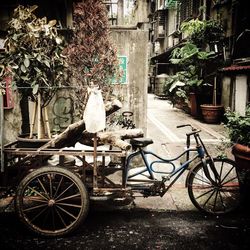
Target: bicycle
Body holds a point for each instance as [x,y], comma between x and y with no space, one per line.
[213,183]
[53,200]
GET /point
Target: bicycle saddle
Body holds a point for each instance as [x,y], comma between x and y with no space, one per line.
[141,142]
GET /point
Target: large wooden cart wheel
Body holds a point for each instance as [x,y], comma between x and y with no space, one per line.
[52,201]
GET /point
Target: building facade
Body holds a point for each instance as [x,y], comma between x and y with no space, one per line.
[166,17]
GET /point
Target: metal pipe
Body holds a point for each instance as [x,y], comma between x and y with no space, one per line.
[1,131]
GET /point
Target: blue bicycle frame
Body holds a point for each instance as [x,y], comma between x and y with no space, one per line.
[149,169]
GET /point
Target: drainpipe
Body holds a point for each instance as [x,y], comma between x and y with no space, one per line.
[1,131]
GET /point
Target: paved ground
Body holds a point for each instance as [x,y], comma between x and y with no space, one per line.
[170,222]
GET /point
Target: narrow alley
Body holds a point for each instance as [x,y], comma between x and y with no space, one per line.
[171,222]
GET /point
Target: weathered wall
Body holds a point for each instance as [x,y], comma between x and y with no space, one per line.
[12,121]
[133,44]
[130,42]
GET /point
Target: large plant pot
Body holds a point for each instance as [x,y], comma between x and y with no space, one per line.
[193,104]
[212,113]
[242,156]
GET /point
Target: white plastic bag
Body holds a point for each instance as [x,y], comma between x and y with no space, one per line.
[94,114]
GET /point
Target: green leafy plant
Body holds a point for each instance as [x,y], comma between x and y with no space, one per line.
[193,57]
[33,54]
[238,127]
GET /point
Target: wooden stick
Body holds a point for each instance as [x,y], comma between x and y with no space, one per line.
[47,122]
[39,117]
[32,125]
[95,162]
[1,131]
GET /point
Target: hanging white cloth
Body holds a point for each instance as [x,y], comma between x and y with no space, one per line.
[94,114]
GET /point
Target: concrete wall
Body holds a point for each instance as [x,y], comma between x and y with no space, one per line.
[226,92]
[234,92]
[140,12]
[241,94]
[133,44]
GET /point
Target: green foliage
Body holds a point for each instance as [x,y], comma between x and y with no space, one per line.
[203,32]
[188,54]
[238,127]
[177,86]
[33,54]
[193,57]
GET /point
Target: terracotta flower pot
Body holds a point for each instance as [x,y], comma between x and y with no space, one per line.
[212,113]
[242,156]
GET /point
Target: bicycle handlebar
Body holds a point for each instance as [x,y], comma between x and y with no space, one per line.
[194,130]
[183,125]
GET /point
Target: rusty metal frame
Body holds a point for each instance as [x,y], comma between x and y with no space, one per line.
[100,184]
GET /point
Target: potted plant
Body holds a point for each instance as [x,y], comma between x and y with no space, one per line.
[239,133]
[198,56]
[33,54]
[189,82]
[212,113]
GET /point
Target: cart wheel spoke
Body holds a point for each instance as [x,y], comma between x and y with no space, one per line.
[58,186]
[70,186]
[36,207]
[68,205]
[61,218]
[52,201]
[44,189]
[68,197]
[37,192]
[38,215]
[65,211]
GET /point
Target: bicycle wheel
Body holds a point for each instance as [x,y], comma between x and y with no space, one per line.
[52,201]
[219,198]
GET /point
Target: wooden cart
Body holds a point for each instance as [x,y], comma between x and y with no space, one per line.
[52,188]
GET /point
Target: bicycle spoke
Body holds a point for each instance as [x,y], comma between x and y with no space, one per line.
[202,179]
[222,202]
[198,197]
[222,166]
[218,198]
[202,186]
[227,174]
[216,195]
[234,178]
[209,198]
